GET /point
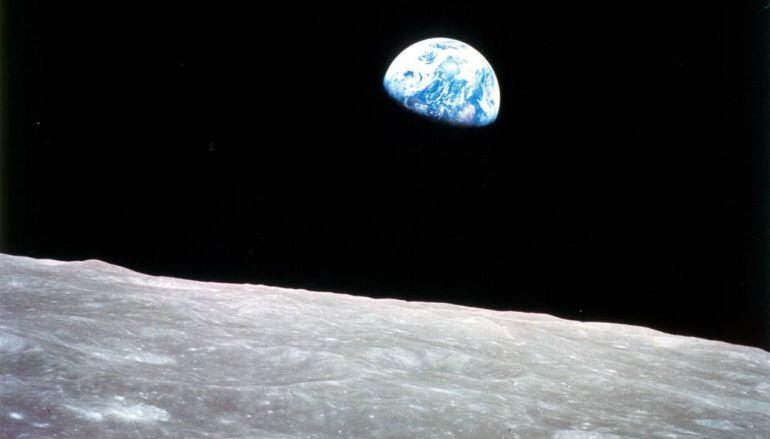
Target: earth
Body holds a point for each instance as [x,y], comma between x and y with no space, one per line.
[445,80]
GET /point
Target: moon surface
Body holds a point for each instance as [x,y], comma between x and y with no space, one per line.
[92,350]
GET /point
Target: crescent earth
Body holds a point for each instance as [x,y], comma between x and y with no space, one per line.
[446,80]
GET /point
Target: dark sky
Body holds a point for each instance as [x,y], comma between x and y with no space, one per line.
[621,182]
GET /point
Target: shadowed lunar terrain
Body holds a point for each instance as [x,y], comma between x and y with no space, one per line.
[92,350]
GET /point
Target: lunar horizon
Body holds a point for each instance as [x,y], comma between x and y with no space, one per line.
[91,349]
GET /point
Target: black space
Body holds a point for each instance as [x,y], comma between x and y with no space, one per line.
[623,180]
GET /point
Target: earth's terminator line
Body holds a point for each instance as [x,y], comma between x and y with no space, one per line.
[445,80]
